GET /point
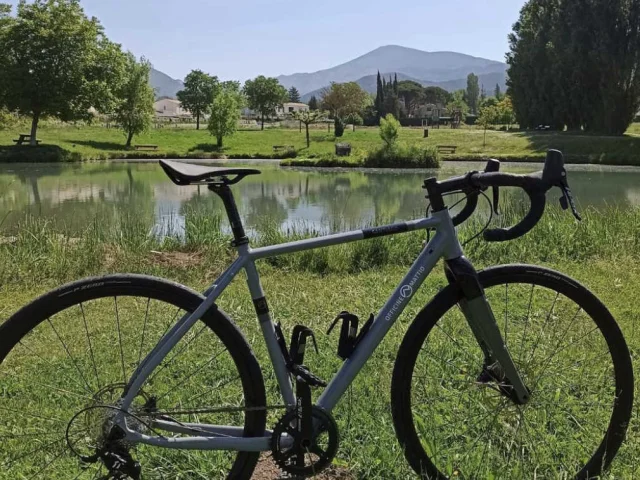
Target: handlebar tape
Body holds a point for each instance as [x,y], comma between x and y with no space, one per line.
[535,187]
[469,207]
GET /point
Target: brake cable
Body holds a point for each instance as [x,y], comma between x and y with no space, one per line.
[458,203]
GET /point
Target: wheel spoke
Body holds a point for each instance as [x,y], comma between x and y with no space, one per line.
[124,371]
[66,349]
[526,326]
[191,375]
[144,331]
[86,330]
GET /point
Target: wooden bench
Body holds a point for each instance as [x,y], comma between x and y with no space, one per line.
[448,149]
[279,148]
[146,147]
[24,138]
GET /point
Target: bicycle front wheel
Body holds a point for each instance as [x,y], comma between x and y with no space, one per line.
[64,361]
[455,422]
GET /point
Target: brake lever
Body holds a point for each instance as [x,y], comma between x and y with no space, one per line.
[496,200]
[566,200]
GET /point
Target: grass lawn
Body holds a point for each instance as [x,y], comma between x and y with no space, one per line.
[311,288]
[95,143]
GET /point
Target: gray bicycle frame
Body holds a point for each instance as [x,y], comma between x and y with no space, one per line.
[444,244]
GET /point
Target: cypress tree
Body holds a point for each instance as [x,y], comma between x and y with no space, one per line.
[379,104]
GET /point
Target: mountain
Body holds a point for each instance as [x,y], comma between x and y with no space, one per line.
[369,83]
[431,67]
[164,85]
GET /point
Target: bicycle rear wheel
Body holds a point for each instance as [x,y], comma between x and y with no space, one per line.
[455,423]
[73,350]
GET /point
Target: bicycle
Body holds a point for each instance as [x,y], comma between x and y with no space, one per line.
[489,377]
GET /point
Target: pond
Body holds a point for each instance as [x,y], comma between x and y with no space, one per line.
[72,196]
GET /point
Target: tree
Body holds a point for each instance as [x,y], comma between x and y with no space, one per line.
[294,95]
[199,90]
[488,116]
[264,95]
[55,61]
[457,102]
[389,130]
[507,115]
[412,95]
[308,117]
[574,64]
[344,99]
[436,96]
[355,119]
[225,112]
[313,103]
[379,101]
[472,93]
[134,111]
[497,92]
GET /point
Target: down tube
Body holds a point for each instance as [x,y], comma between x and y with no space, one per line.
[384,321]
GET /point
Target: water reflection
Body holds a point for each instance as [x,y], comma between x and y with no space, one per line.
[73,196]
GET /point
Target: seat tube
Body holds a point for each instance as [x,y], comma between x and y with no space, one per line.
[268,330]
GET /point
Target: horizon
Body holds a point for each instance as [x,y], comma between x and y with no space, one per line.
[294,38]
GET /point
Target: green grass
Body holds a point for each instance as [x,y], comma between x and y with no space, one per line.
[95,143]
[308,288]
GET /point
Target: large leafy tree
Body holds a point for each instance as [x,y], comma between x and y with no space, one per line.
[264,95]
[55,61]
[436,96]
[197,95]
[344,99]
[134,111]
[412,94]
[473,92]
[225,111]
[575,63]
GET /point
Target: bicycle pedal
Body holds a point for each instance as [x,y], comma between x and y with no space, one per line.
[304,374]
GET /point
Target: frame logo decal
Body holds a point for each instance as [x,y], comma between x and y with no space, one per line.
[406,291]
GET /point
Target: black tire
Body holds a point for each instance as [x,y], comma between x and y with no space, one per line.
[22,328]
[445,432]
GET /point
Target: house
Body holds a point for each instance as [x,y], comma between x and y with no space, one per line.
[170,108]
[291,107]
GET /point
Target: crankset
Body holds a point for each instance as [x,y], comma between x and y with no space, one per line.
[311,452]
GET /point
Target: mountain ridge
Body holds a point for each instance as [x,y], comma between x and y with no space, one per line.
[445,69]
[431,67]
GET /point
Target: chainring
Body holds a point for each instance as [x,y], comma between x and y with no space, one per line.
[300,460]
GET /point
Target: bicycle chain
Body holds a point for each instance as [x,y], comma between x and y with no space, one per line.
[221,410]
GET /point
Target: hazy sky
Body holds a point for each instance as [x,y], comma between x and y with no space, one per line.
[239,39]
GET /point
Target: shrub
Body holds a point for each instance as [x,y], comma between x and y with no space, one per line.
[338,127]
[403,156]
[39,154]
[7,119]
[389,130]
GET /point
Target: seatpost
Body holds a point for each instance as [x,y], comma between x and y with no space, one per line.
[224,192]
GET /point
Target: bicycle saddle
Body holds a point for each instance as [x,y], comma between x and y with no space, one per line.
[188,174]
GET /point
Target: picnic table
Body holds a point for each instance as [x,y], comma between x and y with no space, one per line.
[146,147]
[24,138]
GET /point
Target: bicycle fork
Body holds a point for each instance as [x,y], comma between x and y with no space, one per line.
[499,365]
